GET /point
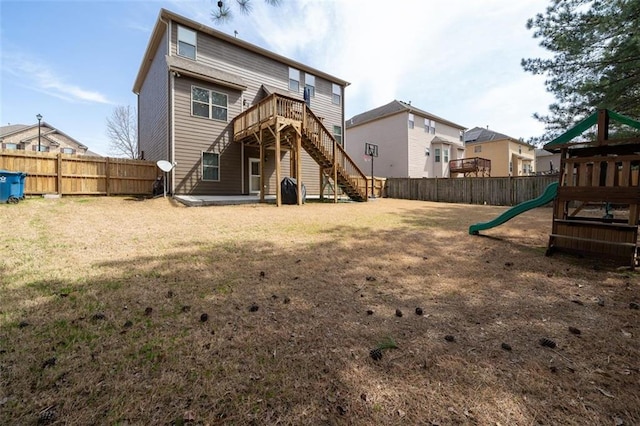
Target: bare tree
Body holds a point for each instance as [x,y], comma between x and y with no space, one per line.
[122,131]
[224,12]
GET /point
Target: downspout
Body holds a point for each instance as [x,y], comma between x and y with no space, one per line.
[173,133]
[172,136]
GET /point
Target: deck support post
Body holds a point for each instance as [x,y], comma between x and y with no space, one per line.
[278,167]
[262,154]
[335,173]
[298,166]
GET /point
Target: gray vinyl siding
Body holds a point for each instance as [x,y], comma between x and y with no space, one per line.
[195,135]
[153,106]
[256,70]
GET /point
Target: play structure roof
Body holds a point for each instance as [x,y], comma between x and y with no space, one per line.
[565,138]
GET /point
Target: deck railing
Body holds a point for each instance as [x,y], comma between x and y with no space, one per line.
[466,165]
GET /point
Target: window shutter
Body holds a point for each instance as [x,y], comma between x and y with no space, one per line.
[4,146]
[34,148]
[73,151]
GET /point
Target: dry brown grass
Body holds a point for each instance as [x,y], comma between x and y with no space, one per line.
[82,272]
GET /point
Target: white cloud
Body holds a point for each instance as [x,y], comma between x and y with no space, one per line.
[38,76]
[447,57]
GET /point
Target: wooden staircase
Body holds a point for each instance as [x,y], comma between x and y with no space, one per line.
[280,112]
[324,149]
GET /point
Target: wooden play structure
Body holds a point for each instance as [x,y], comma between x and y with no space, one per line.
[596,208]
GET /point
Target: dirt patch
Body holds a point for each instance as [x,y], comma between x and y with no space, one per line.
[124,311]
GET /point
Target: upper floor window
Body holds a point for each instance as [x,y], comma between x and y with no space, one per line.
[10,145]
[209,104]
[310,84]
[337,134]
[186,42]
[429,126]
[67,150]
[461,135]
[210,166]
[336,94]
[294,80]
[437,159]
[477,148]
[519,150]
[411,121]
[445,154]
[41,148]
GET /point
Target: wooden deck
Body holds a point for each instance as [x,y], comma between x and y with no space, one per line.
[287,124]
[476,166]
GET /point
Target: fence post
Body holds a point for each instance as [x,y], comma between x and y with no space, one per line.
[107,177]
[59,174]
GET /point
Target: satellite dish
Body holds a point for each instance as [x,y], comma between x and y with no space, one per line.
[164,165]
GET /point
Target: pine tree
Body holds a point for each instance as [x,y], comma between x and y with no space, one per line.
[595,63]
[223,12]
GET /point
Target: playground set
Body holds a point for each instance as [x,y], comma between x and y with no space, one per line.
[595,176]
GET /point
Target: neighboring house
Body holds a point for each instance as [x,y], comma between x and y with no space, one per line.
[509,156]
[44,139]
[220,109]
[411,142]
[547,162]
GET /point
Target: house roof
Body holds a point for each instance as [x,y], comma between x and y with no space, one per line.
[543,153]
[204,72]
[158,31]
[395,107]
[480,134]
[445,140]
[12,128]
[17,128]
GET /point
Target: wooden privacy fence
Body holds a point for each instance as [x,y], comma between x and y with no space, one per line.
[378,185]
[496,191]
[67,174]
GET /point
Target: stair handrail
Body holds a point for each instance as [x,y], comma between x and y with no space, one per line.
[339,156]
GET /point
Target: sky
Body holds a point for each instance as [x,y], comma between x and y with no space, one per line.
[75,61]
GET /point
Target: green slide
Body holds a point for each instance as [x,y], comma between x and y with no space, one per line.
[548,195]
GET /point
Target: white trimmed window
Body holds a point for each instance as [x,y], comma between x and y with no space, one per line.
[67,150]
[429,126]
[411,121]
[337,134]
[445,154]
[477,148]
[461,135]
[211,166]
[437,159]
[336,94]
[41,148]
[186,42]
[294,80]
[310,84]
[208,104]
[11,146]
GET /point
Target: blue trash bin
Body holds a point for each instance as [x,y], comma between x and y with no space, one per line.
[11,186]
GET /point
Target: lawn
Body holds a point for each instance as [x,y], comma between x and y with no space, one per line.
[140,312]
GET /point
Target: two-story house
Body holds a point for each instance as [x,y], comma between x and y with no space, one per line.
[508,156]
[235,118]
[547,162]
[43,138]
[411,142]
